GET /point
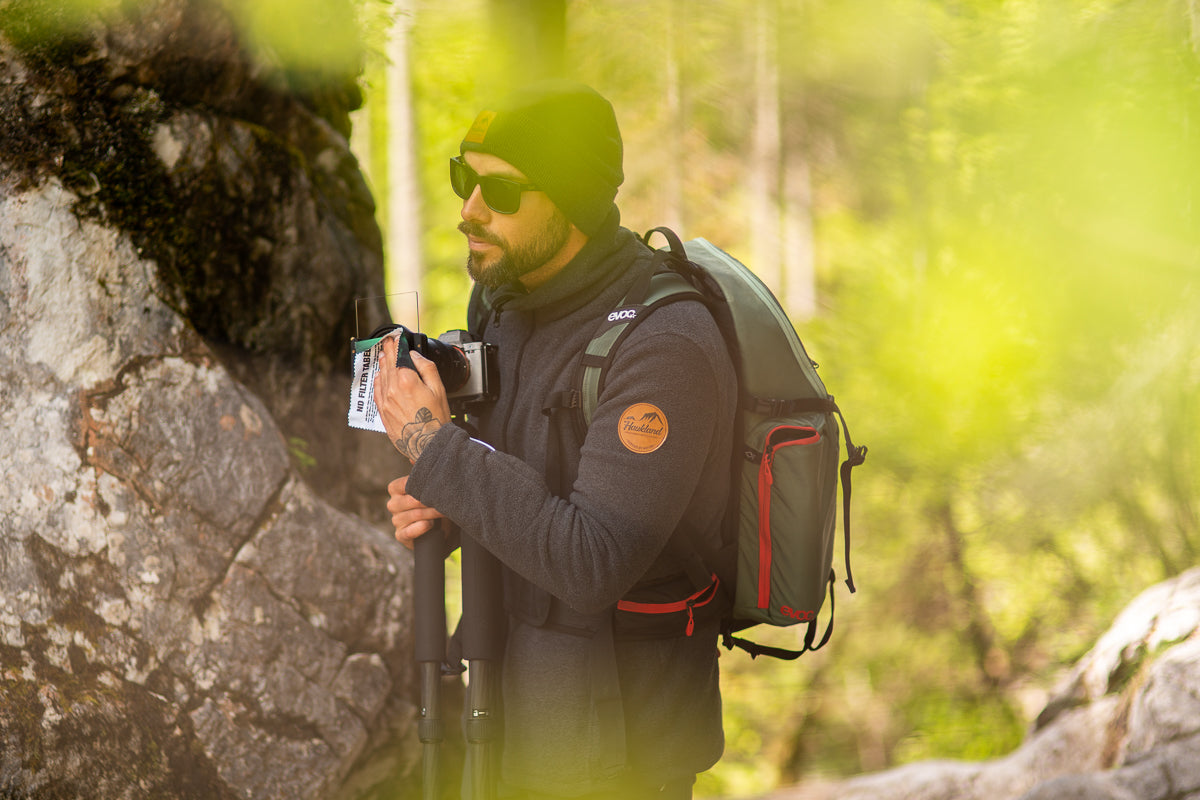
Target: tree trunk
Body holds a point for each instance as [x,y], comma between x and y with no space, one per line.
[799,248]
[765,152]
[978,629]
[1194,20]
[404,186]
[799,239]
[673,216]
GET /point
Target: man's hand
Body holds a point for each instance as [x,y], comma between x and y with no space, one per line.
[410,517]
[412,403]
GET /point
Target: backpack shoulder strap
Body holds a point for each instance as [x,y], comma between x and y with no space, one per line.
[572,408]
[656,289]
[668,280]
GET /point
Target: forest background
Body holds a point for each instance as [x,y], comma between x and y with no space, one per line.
[984,218]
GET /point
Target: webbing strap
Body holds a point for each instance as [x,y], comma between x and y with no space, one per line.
[595,359]
[755,649]
[688,604]
[769,407]
[854,457]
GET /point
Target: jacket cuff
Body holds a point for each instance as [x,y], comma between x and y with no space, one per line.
[437,450]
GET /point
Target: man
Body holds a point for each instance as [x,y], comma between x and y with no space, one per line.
[623,505]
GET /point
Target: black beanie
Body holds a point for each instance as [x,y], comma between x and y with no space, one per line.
[564,137]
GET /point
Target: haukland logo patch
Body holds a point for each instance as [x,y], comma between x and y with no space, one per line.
[643,428]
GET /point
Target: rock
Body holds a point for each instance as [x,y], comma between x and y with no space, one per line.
[249,208]
[188,610]
[1079,787]
[1166,706]
[1125,725]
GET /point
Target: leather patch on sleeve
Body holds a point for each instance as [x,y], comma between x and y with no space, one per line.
[643,428]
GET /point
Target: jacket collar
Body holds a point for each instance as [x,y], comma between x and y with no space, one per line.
[600,263]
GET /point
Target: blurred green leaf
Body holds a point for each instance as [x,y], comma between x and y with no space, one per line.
[1005,201]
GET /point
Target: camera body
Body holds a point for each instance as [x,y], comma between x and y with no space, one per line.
[480,384]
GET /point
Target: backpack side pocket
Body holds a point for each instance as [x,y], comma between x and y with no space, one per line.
[785,539]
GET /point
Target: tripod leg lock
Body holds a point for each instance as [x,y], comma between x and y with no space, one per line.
[480,727]
[431,731]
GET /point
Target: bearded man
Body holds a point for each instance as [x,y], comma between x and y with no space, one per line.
[596,704]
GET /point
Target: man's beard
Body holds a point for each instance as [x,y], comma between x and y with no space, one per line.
[515,261]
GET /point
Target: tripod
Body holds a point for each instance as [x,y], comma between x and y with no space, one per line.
[429,634]
[483,646]
[482,632]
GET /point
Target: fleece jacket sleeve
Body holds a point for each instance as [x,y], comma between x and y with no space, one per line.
[633,486]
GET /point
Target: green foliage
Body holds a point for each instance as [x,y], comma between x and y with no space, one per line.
[303,35]
[318,38]
[949,725]
[1015,340]
[1004,199]
[298,450]
[34,22]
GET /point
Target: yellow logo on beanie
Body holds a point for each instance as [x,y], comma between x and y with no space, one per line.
[479,127]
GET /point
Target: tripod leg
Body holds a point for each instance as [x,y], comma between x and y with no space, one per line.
[431,730]
[480,729]
[429,633]
[483,646]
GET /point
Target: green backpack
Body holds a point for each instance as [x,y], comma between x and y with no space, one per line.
[782,518]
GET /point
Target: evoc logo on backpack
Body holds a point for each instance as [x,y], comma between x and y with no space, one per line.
[797,614]
[622,314]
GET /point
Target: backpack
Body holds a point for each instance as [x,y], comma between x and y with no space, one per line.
[782,517]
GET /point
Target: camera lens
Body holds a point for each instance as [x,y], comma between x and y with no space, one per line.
[452,365]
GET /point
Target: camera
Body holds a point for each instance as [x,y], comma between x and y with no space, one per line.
[466,367]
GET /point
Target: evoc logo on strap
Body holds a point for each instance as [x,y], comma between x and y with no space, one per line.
[623,314]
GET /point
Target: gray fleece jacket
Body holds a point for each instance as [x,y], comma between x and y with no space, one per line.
[631,491]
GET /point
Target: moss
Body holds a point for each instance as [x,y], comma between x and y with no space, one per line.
[301,458]
[125,734]
[21,721]
[1132,670]
[212,235]
[1129,668]
[91,577]
[126,737]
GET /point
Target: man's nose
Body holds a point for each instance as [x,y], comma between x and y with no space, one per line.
[474,209]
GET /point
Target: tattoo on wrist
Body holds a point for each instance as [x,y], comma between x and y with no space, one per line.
[416,434]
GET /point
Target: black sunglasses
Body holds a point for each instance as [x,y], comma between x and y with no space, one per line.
[501,194]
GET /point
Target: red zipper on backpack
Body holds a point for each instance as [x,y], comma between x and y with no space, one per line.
[766,479]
